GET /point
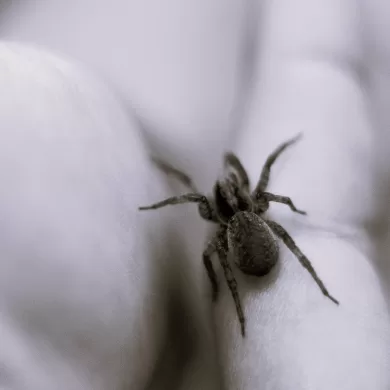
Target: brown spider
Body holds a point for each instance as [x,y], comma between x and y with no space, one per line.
[243,230]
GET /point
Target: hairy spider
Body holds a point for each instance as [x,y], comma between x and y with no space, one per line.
[243,229]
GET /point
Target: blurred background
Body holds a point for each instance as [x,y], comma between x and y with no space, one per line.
[186,70]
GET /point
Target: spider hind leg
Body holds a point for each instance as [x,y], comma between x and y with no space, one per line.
[210,249]
[222,250]
[305,262]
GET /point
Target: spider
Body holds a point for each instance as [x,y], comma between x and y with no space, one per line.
[243,230]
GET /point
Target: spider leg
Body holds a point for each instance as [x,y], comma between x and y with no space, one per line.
[265,173]
[210,249]
[305,262]
[282,199]
[230,159]
[176,173]
[206,210]
[222,250]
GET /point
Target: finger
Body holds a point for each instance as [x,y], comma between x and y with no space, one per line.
[295,335]
[309,82]
[75,282]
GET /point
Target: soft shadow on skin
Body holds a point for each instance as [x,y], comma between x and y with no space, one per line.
[381,264]
[183,306]
[379,234]
[178,340]
[150,134]
[179,345]
[182,339]
[4,5]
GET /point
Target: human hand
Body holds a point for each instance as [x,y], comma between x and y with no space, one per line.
[310,80]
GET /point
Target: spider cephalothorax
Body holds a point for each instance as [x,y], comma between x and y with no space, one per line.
[243,230]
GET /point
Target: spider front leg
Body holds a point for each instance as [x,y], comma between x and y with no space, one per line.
[205,208]
[230,159]
[176,173]
[222,250]
[266,171]
[282,199]
[305,262]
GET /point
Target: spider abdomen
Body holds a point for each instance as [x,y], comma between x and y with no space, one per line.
[254,246]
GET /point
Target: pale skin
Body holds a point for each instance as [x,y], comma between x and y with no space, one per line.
[312,87]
